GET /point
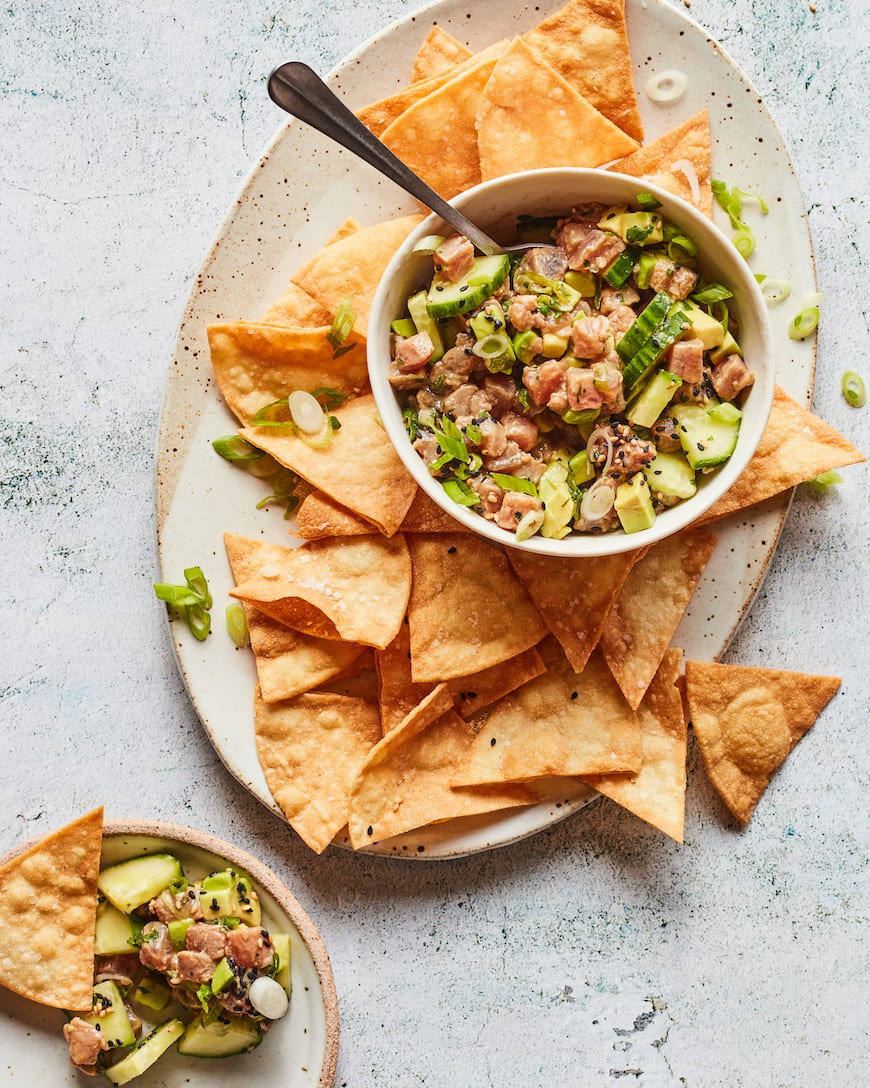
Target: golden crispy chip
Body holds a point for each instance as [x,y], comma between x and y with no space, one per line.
[358,469]
[657,793]
[405,782]
[319,516]
[351,268]
[675,158]
[379,115]
[424,516]
[288,662]
[561,723]
[257,364]
[649,608]
[48,911]
[310,749]
[468,610]
[796,446]
[436,136]
[398,694]
[747,720]
[574,595]
[352,588]
[587,43]
[529,114]
[439,53]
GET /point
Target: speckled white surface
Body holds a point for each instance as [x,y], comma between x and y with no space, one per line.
[596,952]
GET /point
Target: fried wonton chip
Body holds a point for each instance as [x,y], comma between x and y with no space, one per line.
[649,607]
[319,516]
[359,469]
[352,588]
[468,610]
[310,749]
[437,137]
[574,595]
[561,723]
[530,115]
[424,516]
[378,116]
[405,781]
[657,793]
[796,446]
[351,268]
[678,161]
[296,308]
[439,53]
[398,694]
[587,43]
[48,912]
[288,662]
[747,720]
[257,364]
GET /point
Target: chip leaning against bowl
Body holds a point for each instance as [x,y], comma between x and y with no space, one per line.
[580,388]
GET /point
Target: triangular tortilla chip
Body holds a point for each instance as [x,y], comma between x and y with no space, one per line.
[561,723]
[795,446]
[296,308]
[439,53]
[358,469]
[310,749]
[352,588]
[288,662]
[378,116]
[405,781]
[574,595]
[747,720]
[675,160]
[48,912]
[649,607]
[319,516]
[657,793]
[436,136]
[351,268]
[530,118]
[425,516]
[586,41]
[257,364]
[468,610]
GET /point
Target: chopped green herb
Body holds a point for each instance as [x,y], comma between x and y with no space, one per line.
[342,324]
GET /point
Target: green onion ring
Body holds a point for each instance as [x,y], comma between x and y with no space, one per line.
[744,242]
[854,389]
[804,324]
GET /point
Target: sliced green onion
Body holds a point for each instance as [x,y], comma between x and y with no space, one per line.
[305,411]
[667,86]
[261,417]
[743,195]
[493,346]
[327,398]
[824,481]
[514,483]
[429,243]
[647,202]
[460,492]
[237,625]
[713,292]
[342,323]
[774,290]
[451,440]
[176,596]
[744,242]
[196,581]
[804,324]
[728,201]
[854,389]
[681,246]
[191,601]
[199,621]
[529,524]
[232,447]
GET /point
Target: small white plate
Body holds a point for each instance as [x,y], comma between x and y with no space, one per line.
[298,194]
[298,1051]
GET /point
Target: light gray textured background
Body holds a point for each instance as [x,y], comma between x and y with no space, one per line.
[595,953]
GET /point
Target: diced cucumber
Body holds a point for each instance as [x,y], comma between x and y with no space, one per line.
[229,894]
[448,297]
[581,468]
[584,283]
[281,943]
[707,434]
[129,884]
[620,269]
[114,932]
[424,322]
[671,474]
[429,243]
[110,1016]
[223,976]
[646,408]
[403,326]
[146,1053]
[178,928]
[655,311]
[152,993]
[654,349]
[220,1038]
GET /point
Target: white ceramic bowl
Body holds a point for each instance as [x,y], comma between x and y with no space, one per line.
[495,206]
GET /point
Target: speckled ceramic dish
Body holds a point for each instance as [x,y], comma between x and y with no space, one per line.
[299,1051]
[298,194]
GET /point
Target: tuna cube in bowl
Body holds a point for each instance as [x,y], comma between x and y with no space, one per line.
[592,395]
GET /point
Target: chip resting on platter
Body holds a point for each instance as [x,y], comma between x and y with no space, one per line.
[747,720]
[657,793]
[440,52]
[295,307]
[310,749]
[48,913]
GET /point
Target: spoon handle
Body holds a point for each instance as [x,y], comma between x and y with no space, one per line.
[298,89]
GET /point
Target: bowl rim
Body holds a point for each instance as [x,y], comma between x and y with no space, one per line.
[581,545]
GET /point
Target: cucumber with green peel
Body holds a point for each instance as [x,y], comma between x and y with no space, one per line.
[220,1038]
[652,315]
[403,326]
[110,1016]
[620,269]
[644,409]
[281,944]
[229,894]
[115,931]
[670,473]
[424,322]
[654,349]
[146,1053]
[708,432]
[152,993]
[446,298]
[129,884]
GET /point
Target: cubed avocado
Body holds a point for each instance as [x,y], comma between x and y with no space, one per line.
[635,228]
[229,894]
[633,504]
[704,327]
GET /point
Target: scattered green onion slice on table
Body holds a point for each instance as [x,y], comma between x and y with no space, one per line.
[744,242]
[237,625]
[190,602]
[854,389]
[824,480]
[774,290]
[804,323]
[232,447]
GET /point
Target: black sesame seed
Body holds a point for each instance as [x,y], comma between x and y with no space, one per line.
[492,743]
